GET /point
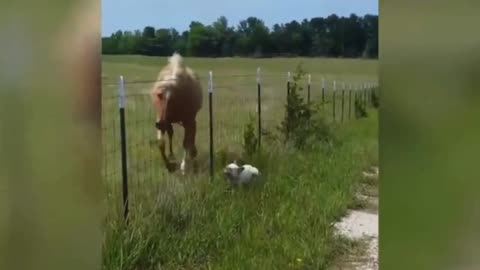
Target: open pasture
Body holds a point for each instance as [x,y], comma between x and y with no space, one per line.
[234,101]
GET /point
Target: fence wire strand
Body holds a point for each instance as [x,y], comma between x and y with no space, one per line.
[234,104]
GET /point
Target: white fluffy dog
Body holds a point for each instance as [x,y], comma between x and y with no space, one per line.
[240,175]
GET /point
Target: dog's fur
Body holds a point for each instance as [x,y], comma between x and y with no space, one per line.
[240,175]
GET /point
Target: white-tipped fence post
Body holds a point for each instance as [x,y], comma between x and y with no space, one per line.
[369,96]
[334,98]
[349,100]
[259,100]
[343,99]
[309,87]
[288,83]
[372,85]
[355,90]
[210,115]
[323,90]
[365,91]
[288,105]
[123,145]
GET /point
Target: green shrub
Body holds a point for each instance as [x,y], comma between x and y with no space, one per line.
[360,110]
[374,98]
[250,139]
[303,122]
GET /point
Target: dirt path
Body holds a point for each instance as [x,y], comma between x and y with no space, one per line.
[362,224]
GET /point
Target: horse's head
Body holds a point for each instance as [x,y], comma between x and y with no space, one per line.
[161,100]
[160,97]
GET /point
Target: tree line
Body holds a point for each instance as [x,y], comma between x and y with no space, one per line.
[333,36]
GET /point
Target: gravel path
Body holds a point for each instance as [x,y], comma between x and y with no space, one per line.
[363,224]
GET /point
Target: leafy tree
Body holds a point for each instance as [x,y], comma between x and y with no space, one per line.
[202,40]
[370,24]
[332,36]
[253,37]
[149,32]
[225,36]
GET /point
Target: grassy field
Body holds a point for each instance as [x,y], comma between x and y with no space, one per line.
[192,223]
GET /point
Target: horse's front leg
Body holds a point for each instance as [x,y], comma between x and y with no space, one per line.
[161,140]
[189,145]
[170,142]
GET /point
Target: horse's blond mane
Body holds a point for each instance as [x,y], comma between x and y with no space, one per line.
[175,60]
[168,76]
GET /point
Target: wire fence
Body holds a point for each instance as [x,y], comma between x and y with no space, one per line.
[131,158]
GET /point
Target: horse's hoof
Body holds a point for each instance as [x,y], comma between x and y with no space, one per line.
[182,166]
[195,167]
[171,167]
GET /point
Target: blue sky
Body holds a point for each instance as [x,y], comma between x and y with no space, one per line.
[136,14]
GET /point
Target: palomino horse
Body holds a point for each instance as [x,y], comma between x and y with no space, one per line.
[177,98]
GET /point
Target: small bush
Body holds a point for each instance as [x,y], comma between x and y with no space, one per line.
[375,99]
[303,122]
[297,112]
[250,140]
[360,110]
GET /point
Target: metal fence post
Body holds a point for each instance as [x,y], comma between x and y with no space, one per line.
[334,97]
[288,84]
[343,98]
[355,97]
[323,91]
[288,106]
[259,100]
[365,92]
[210,110]
[123,145]
[350,101]
[309,87]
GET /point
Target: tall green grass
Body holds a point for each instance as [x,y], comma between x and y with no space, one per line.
[283,223]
